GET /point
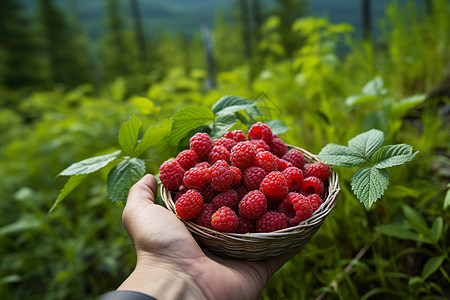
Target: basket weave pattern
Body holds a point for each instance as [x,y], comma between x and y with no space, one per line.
[259,246]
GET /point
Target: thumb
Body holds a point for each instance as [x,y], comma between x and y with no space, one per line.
[141,194]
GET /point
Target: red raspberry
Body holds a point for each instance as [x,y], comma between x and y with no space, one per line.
[286,208]
[204,218]
[271,221]
[195,178]
[241,191]
[237,175]
[283,164]
[260,131]
[274,186]
[225,219]
[243,155]
[294,178]
[171,174]
[225,142]
[245,225]
[260,145]
[201,143]
[189,205]
[278,147]
[253,205]
[208,193]
[295,157]
[315,201]
[236,135]
[228,198]
[253,177]
[187,159]
[180,193]
[318,169]
[219,175]
[204,164]
[302,207]
[313,185]
[218,153]
[266,160]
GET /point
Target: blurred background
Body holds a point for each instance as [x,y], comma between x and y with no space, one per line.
[71,71]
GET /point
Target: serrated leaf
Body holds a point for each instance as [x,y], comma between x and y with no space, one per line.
[277,126]
[230,104]
[392,155]
[367,143]
[368,184]
[90,165]
[222,124]
[431,266]
[374,87]
[70,185]
[122,177]
[128,134]
[360,99]
[154,135]
[400,232]
[188,119]
[338,155]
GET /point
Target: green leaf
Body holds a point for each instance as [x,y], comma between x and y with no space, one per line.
[447,199]
[368,184]
[222,124]
[154,135]
[25,223]
[90,165]
[405,105]
[416,221]
[436,229]
[277,126]
[70,185]
[360,99]
[242,118]
[128,134]
[122,177]
[374,87]
[392,155]
[431,266]
[231,104]
[399,232]
[253,112]
[188,119]
[338,155]
[365,144]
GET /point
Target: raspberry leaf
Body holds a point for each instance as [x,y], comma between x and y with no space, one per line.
[369,184]
[153,137]
[338,155]
[231,104]
[392,155]
[367,143]
[70,185]
[128,134]
[374,87]
[222,124]
[188,119]
[277,126]
[90,165]
[122,177]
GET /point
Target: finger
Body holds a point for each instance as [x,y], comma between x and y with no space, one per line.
[145,190]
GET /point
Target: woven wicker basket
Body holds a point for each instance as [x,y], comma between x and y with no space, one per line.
[260,246]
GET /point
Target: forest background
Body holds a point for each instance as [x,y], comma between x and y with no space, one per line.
[71,72]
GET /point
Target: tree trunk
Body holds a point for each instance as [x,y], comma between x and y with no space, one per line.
[139,31]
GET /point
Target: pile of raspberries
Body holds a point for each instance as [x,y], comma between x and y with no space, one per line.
[243,185]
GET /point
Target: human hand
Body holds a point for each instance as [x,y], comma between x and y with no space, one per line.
[171,265]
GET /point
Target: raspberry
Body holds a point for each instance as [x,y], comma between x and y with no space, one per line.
[187,159]
[189,205]
[208,193]
[203,164]
[237,175]
[302,207]
[278,147]
[245,225]
[260,145]
[266,160]
[241,191]
[294,178]
[171,174]
[318,169]
[286,208]
[313,185]
[274,186]
[225,142]
[283,164]
[315,201]
[201,143]
[271,221]
[219,175]
[295,157]
[195,178]
[260,131]
[218,153]
[204,218]
[253,205]
[225,219]
[242,155]
[180,193]
[228,198]
[253,177]
[235,135]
